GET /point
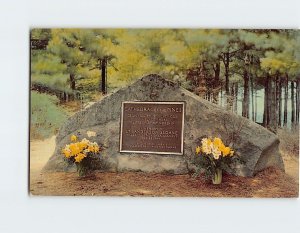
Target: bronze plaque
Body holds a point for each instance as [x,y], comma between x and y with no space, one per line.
[152,127]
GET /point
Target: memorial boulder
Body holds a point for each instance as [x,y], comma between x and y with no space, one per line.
[154,125]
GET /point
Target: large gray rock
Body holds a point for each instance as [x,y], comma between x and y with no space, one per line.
[257,146]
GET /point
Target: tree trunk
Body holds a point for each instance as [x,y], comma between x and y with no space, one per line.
[245,107]
[297,100]
[232,97]
[255,106]
[63,96]
[226,59]
[269,101]
[72,81]
[272,106]
[226,64]
[280,101]
[103,76]
[217,74]
[221,96]
[252,97]
[292,104]
[286,94]
[216,82]
[266,104]
[236,92]
[276,99]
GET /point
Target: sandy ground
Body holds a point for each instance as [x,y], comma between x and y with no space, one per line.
[40,152]
[268,183]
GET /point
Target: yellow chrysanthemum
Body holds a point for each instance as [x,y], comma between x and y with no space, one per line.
[216,153]
[97,149]
[222,148]
[214,147]
[217,142]
[79,157]
[82,145]
[73,138]
[209,142]
[198,150]
[206,146]
[91,149]
[226,151]
[67,153]
[74,148]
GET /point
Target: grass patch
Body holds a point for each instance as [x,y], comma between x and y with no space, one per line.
[46,115]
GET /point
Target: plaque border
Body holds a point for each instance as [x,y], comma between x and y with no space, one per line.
[151,102]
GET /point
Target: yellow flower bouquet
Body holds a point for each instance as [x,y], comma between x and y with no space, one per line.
[81,153]
[212,157]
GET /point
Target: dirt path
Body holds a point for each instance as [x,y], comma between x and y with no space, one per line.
[269,183]
[40,152]
[292,167]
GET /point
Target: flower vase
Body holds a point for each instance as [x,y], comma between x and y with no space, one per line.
[217,178]
[82,170]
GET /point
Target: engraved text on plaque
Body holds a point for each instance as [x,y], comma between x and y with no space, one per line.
[152,127]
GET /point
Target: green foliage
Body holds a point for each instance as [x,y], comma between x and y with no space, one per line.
[57,81]
[46,115]
[132,53]
[66,45]
[43,62]
[41,33]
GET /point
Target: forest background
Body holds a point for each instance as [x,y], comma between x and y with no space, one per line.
[254,73]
